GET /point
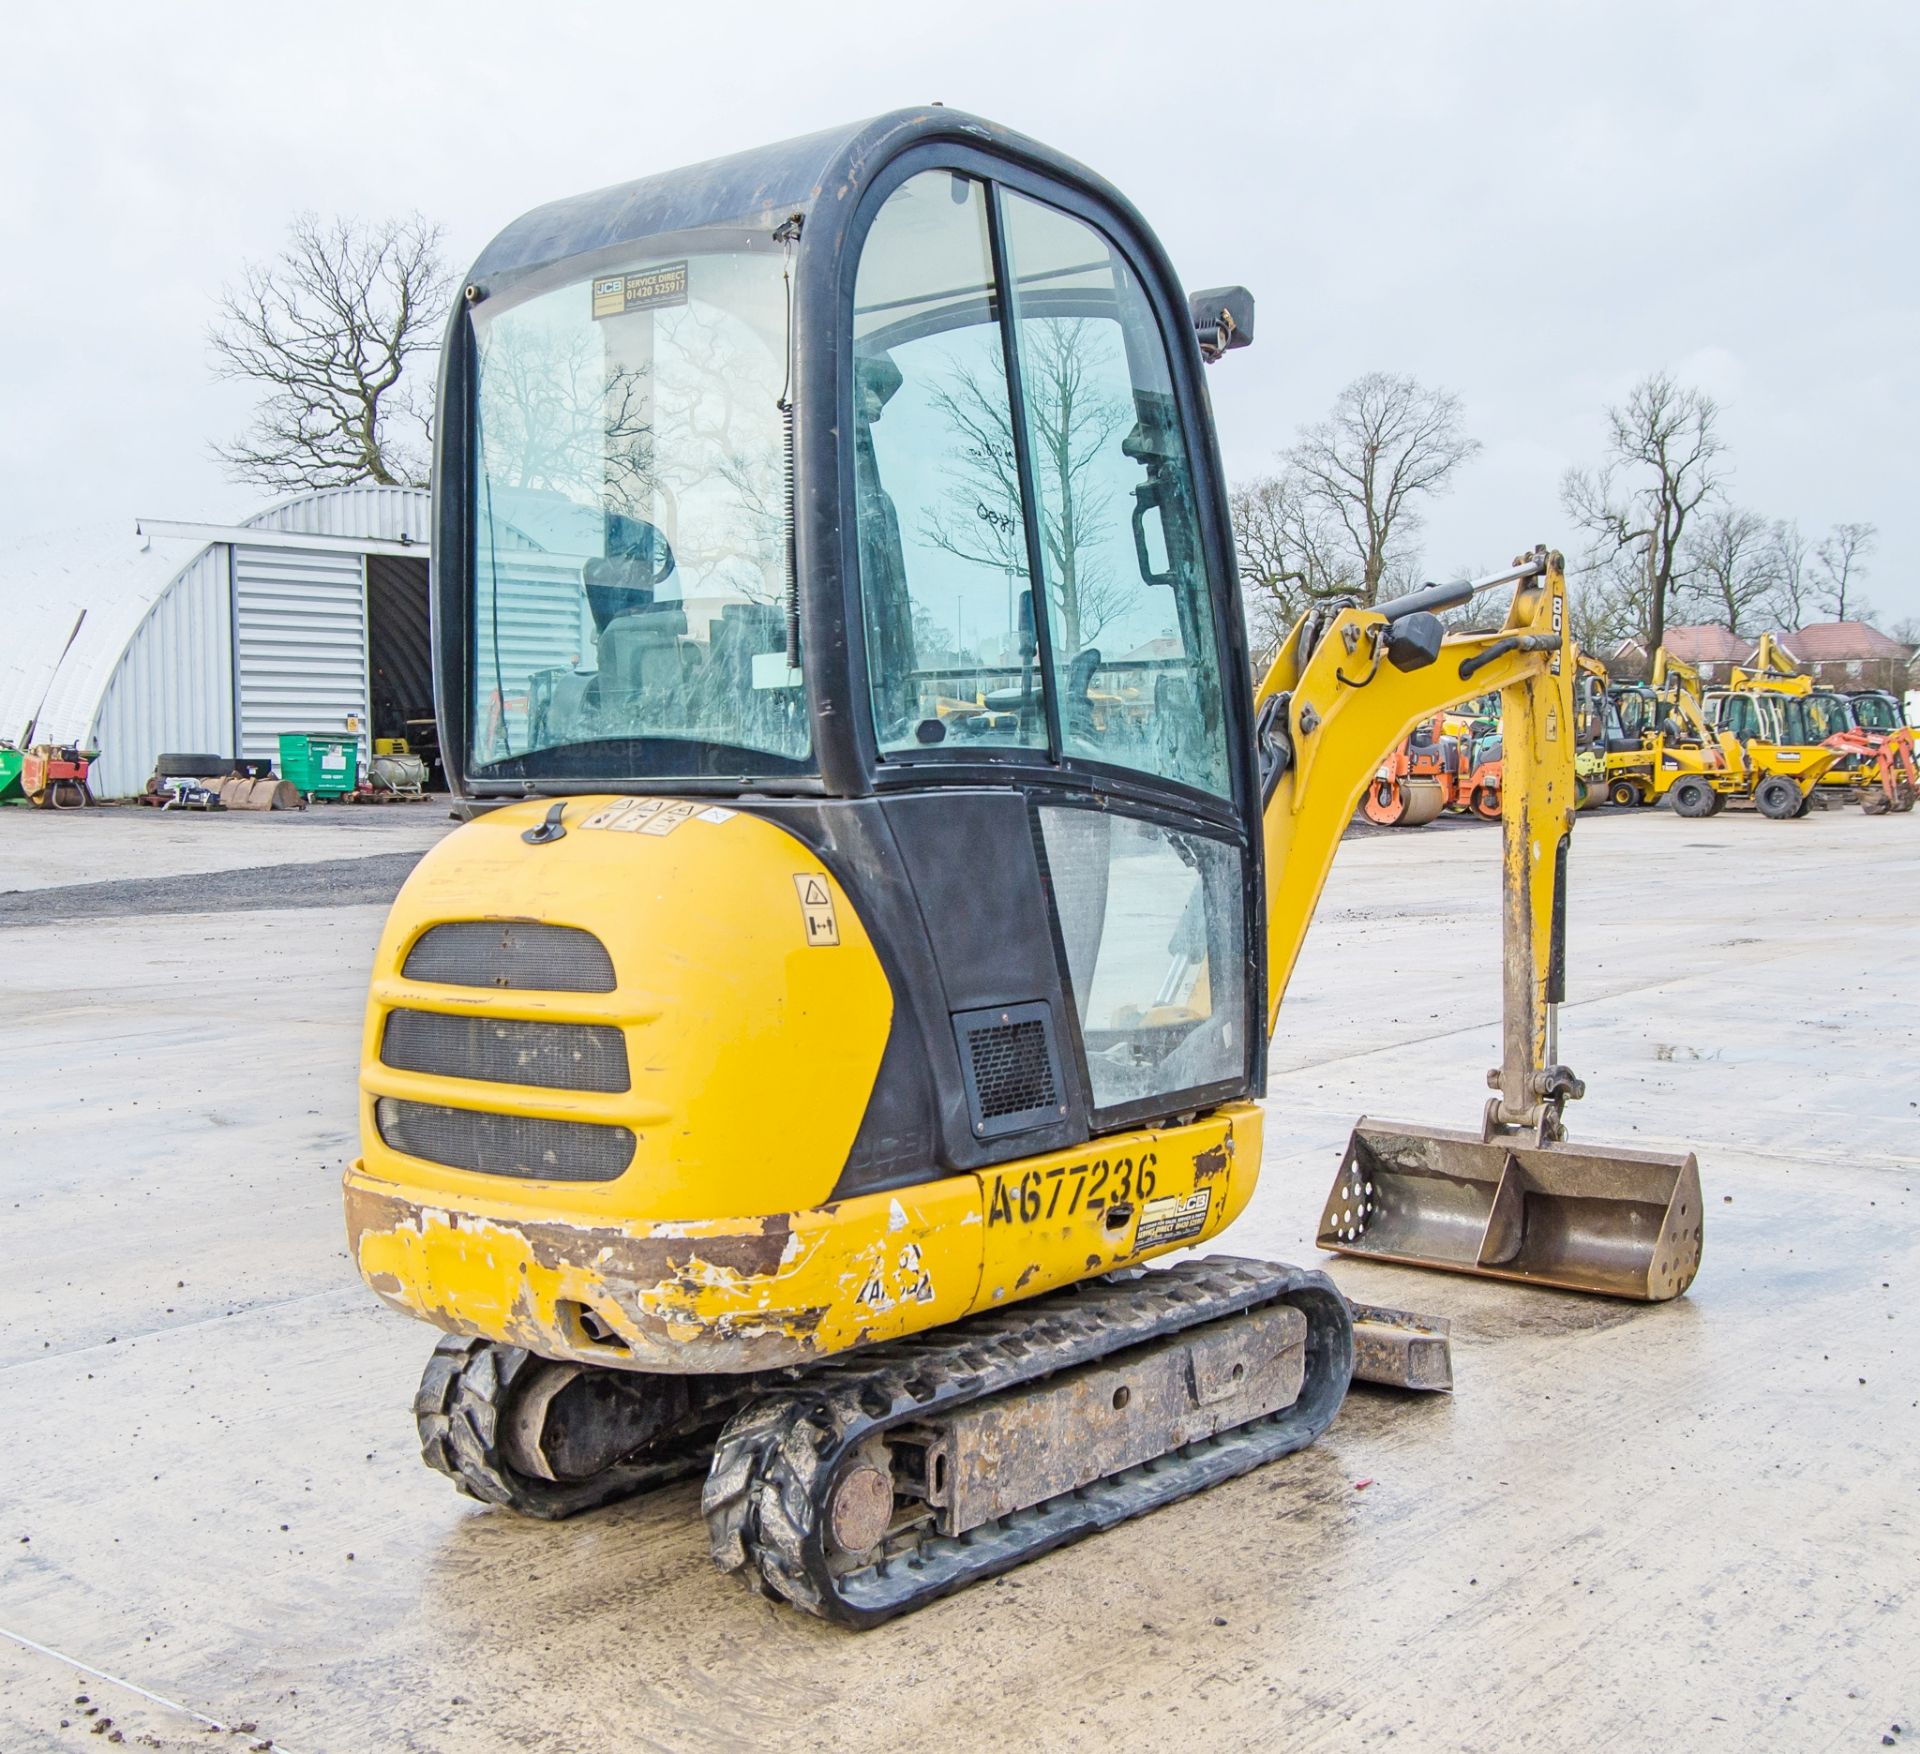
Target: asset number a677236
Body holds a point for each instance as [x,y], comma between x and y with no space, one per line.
[1060,1192]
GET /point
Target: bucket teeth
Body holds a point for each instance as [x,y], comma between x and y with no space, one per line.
[1614,1222]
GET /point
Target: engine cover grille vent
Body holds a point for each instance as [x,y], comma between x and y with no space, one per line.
[507,1050]
[515,1145]
[1011,1067]
[511,953]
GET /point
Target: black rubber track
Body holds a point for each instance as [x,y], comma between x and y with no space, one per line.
[459,1407]
[779,1459]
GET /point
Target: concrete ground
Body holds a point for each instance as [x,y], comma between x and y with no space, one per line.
[1689,1526]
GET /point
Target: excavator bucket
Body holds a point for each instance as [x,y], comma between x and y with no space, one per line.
[1617,1223]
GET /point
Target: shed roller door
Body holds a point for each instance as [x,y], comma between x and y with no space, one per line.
[300,644]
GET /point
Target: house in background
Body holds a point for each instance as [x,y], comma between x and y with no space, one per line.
[1836,654]
[1850,654]
[1713,651]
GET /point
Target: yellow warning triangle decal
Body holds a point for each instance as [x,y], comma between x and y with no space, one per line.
[816,893]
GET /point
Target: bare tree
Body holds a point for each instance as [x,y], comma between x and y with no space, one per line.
[1288,557]
[555,416]
[1601,608]
[1792,575]
[1073,418]
[1731,555]
[1659,470]
[1840,563]
[1389,443]
[330,328]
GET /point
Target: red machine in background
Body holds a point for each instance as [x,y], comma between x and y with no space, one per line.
[53,776]
[1889,775]
[1439,768]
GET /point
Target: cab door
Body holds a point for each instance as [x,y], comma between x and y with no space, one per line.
[1045,608]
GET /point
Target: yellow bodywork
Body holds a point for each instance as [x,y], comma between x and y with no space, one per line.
[753,1045]
[755,1015]
[1346,708]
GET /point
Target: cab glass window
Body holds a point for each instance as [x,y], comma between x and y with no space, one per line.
[1152,921]
[1877,712]
[1828,715]
[629,544]
[951,648]
[1794,717]
[1737,715]
[1134,657]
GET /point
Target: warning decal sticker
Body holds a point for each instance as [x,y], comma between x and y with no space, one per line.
[652,816]
[668,817]
[1173,1218]
[645,290]
[816,908]
[628,816]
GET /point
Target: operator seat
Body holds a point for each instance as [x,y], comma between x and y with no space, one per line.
[1077,707]
[643,652]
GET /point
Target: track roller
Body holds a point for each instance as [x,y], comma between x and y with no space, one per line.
[878,1482]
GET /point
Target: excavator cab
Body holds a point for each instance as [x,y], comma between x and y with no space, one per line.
[1877,710]
[994,655]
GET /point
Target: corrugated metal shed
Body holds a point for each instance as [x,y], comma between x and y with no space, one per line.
[172,686]
[364,511]
[153,668]
[46,582]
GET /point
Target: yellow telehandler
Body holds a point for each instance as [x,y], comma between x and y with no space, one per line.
[786,1076]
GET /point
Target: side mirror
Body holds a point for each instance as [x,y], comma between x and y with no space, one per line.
[1222,319]
[1413,641]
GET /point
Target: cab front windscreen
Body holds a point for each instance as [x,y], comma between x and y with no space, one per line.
[1877,712]
[628,614]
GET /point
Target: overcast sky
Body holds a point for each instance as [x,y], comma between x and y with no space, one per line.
[1531,204]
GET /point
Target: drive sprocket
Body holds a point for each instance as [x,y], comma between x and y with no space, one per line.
[463,1408]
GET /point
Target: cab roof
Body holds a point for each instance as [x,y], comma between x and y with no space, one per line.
[754,188]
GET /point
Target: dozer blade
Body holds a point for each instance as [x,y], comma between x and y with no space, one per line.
[1401,1350]
[1619,1223]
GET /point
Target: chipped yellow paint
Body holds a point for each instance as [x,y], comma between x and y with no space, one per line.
[719,1295]
[1073,1213]
[762,1292]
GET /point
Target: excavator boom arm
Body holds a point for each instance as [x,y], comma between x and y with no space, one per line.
[1334,703]
[1511,1200]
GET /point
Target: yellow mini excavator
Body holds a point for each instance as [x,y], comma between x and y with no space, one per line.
[787,1071]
